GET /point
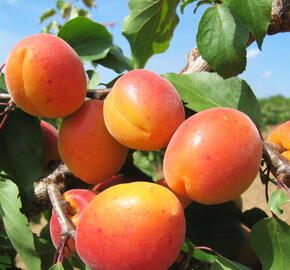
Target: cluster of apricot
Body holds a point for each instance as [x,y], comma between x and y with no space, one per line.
[211,157]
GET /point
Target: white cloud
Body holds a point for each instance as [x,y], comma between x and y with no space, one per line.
[267,74]
[252,53]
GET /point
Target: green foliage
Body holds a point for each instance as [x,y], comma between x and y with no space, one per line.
[90,40]
[150,163]
[16,224]
[21,151]
[3,87]
[47,14]
[93,42]
[221,40]
[203,90]
[66,10]
[57,266]
[255,15]
[277,199]
[93,79]
[149,28]
[223,263]
[270,238]
[274,110]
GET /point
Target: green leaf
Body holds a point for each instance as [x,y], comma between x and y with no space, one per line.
[200,3]
[94,79]
[116,60]
[16,225]
[223,263]
[57,266]
[3,87]
[6,262]
[255,15]
[90,40]
[150,163]
[201,255]
[21,146]
[277,199]
[78,263]
[47,14]
[149,28]
[204,90]
[89,3]
[270,238]
[184,3]
[221,40]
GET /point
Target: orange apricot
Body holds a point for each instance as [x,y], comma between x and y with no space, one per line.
[213,156]
[184,200]
[138,225]
[45,76]
[87,148]
[281,136]
[143,110]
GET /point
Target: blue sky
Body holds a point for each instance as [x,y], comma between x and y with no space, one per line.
[267,71]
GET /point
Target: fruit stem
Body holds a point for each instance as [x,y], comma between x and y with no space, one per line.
[59,254]
[208,249]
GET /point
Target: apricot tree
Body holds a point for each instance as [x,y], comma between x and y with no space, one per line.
[195,133]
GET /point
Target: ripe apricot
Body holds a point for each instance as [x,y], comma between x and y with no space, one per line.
[50,149]
[281,136]
[87,148]
[213,156]
[45,76]
[78,200]
[184,200]
[143,110]
[138,225]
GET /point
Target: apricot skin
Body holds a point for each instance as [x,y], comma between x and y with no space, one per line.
[143,110]
[281,136]
[213,156]
[50,149]
[87,148]
[78,200]
[132,226]
[45,76]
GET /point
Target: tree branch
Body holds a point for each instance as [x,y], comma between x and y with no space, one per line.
[278,165]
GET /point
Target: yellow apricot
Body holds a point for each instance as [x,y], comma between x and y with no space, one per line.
[143,110]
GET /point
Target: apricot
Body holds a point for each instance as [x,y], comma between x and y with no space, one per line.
[87,148]
[184,200]
[138,225]
[281,136]
[78,200]
[213,156]
[45,76]
[50,149]
[143,110]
